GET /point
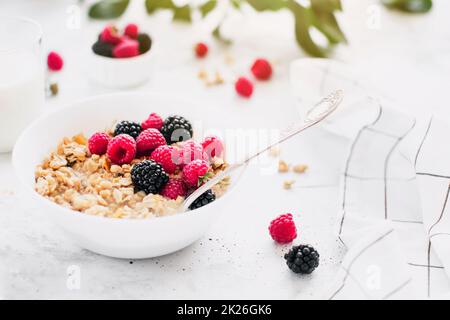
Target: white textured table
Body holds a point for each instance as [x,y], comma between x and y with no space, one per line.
[405,57]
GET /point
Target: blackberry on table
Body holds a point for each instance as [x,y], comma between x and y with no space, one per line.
[128,127]
[103,49]
[203,200]
[176,129]
[148,176]
[302,259]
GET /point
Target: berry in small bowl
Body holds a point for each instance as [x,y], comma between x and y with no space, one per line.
[121,58]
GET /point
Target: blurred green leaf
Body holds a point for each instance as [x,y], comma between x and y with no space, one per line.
[207,7]
[218,35]
[325,21]
[262,5]
[236,4]
[413,6]
[182,13]
[326,5]
[319,15]
[303,23]
[153,5]
[108,9]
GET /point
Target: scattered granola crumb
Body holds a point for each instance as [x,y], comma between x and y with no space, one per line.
[274,151]
[300,168]
[203,75]
[7,193]
[218,80]
[229,60]
[283,166]
[54,89]
[288,184]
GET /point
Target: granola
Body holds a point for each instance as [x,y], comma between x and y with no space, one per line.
[72,177]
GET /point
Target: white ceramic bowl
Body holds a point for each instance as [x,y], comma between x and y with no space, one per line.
[120,73]
[121,238]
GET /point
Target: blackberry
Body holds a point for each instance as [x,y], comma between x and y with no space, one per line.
[302,259]
[176,129]
[145,42]
[203,200]
[148,176]
[127,127]
[103,49]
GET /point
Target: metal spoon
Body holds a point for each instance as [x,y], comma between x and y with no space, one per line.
[316,114]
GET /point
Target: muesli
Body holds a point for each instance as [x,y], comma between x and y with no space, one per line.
[133,170]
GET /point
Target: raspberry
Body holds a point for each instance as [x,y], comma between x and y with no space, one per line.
[148,141]
[127,48]
[244,87]
[212,146]
[191,151]
[98,143]
[201,50]
[54,61]
[110,35]
[173,189]
[195,173]
[132,31]
[282,229]
[121,149]
[153,121]
[166,156]
[262,69]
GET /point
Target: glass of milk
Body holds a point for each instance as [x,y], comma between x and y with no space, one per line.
[22,86]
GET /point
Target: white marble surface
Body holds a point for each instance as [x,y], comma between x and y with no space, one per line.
[405,57]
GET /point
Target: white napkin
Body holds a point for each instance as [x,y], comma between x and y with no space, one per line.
[394,218]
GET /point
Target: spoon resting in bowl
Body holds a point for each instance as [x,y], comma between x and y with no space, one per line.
[313,116]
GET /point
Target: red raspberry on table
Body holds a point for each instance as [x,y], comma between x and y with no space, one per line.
[166,156]
[131,30]
[127,48]
[153,121]
[201,50]
[98,143]
[174,188]
[54,61]
[212,146]
[282,229]
[110,34]
[148,141]
[244,87]
[262,69]
[121,149]
[191,151]
[195,172]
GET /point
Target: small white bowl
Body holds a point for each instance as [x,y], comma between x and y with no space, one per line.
[120,73]
[121,238]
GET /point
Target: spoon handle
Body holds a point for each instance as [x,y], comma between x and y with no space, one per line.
[316,114]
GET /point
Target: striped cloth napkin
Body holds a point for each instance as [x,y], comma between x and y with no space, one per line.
[394,213]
